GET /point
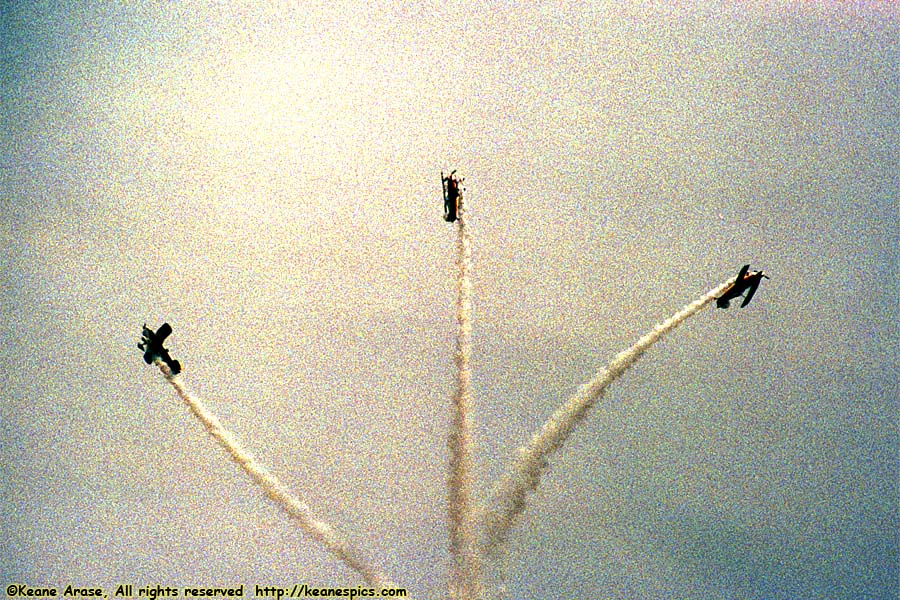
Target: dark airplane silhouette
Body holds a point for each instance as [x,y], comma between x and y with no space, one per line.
[745,282]
[152,345]
[451,195]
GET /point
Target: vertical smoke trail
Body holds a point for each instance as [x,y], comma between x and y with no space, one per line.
[466,575]
[319,530]
[508,495]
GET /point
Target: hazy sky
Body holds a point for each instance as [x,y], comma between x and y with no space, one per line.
[267,180]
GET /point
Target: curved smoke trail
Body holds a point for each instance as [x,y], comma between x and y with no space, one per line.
[319,530]
[509,494]
[463,541]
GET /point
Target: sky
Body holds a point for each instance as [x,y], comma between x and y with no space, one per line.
[266,178]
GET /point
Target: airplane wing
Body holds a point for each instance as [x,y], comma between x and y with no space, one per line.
[742,273]
[163,332]
[750,292]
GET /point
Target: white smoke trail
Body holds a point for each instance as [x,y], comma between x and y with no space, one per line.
[466,575]
[319,530]
[508,495]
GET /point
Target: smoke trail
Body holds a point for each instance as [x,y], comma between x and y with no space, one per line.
[319,530]
[465,579]
[508,495]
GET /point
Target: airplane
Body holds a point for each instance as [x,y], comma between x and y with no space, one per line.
[745,282]
[152,345]
[451,195]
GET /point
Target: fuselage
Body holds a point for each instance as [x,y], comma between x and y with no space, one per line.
[737,289]
[152,345]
